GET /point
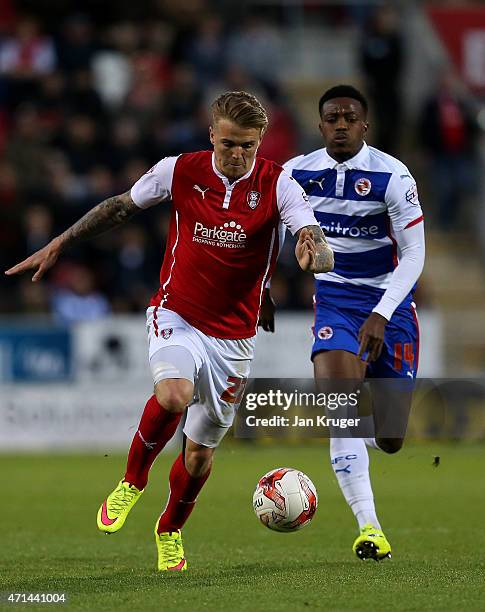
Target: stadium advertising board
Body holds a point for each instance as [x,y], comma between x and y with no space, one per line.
[35,354]
[100,407]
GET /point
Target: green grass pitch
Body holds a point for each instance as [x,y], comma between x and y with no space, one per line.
[433,516]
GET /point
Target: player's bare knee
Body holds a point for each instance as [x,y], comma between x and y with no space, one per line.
[199,461]
[390,445]
[174,394]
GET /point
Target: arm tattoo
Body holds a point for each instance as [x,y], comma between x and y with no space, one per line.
[324,256]
[110,213]
[318,235]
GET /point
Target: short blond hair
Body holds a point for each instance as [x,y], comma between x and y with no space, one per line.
[241,107]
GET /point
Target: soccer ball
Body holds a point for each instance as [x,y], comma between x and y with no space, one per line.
[285,500]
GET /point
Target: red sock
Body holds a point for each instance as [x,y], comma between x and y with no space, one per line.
[156,427]
[183,494]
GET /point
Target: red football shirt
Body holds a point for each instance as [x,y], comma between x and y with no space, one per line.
[223,238]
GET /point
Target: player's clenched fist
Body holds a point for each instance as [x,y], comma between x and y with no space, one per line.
[305,249]
[312,250]
[40,261]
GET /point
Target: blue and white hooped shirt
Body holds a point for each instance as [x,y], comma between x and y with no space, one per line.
[360,205]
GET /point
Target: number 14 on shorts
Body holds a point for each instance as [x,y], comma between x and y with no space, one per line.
[403,351]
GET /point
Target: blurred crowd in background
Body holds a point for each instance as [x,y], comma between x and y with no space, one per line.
[90,100]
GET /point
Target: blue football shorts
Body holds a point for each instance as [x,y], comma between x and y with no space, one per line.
[337,324]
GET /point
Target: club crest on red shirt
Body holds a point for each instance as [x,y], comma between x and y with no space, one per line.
[253,199]
[166,333]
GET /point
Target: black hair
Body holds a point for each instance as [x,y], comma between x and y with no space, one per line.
[343,91]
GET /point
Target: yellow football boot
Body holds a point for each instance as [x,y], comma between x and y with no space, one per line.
[372,544]
[115,508]
[170,551]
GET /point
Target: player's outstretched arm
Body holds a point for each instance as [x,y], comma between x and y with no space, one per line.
[312,250]
[109,213]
